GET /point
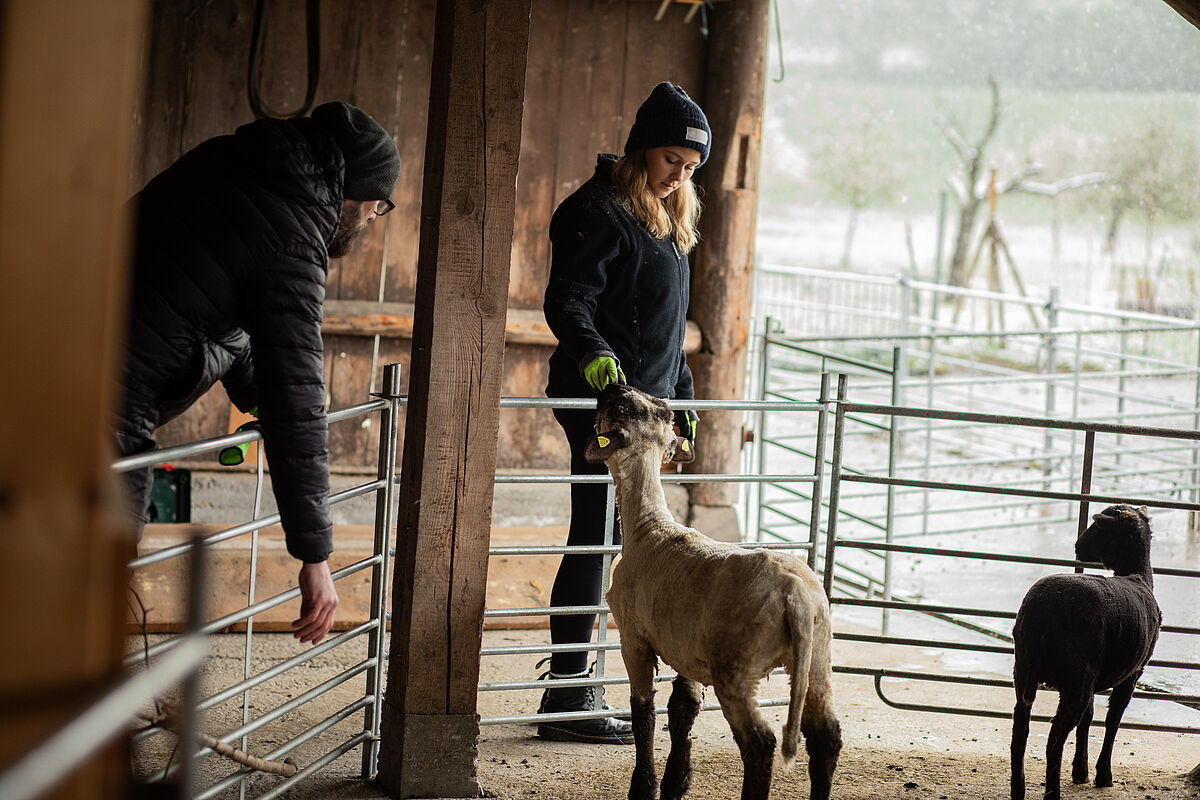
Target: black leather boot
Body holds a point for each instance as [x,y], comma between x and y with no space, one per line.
[606,730]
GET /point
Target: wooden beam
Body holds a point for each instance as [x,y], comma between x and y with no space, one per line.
[68,75]
[395,320]
[430,726]
[724,261]
[1188,9]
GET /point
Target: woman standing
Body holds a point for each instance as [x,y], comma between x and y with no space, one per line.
[617,301]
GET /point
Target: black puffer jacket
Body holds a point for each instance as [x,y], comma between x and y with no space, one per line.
[616,290]
[229,280]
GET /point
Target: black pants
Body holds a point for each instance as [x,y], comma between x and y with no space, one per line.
[137,482]
[579,577]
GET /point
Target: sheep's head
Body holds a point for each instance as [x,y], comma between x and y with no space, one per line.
[1118,538]
[627,417]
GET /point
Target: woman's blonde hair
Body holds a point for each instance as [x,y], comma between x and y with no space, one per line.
[676,215]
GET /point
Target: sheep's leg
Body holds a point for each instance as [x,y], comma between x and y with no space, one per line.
[1117,701]
[1020,735]
[1079,766]
[822,739]
[1026,692]
[753,735]
[682,709]
[1070,708]
[640,661]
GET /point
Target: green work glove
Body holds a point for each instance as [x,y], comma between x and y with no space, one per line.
[687,421]
[235,454]
[602,371]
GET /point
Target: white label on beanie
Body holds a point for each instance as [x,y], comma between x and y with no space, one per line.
[696,135]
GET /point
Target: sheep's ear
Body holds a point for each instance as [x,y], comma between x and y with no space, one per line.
[683,451]
[605,444]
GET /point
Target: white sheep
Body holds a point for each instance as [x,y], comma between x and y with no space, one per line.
[719,614]
[1081,634]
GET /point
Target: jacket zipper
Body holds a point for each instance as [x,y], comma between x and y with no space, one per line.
[682,306]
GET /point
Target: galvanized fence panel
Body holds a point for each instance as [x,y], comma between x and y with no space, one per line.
[853,533]
[959,602]
[936,347]
[359,659]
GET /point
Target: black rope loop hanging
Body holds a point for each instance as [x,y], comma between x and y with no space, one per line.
[254,73]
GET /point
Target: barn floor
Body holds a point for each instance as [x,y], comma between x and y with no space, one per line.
[888,753]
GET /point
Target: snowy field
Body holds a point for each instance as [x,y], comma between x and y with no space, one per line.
[813,236]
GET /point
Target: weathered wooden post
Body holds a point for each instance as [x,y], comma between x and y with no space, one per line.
[68,82]
[429,723]
[723,271]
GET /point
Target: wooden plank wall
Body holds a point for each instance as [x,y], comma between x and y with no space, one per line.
[590,66]
[591,63]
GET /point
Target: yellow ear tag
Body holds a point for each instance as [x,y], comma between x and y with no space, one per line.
[602,441]
[684,444]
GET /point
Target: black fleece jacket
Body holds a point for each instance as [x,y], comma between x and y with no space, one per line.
[228,284]
[615,290]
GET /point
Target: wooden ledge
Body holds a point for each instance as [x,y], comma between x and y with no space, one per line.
[395,320]
[512,581]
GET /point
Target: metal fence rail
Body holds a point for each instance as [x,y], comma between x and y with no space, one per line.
[947,479]
[370,668]
[855,585]
[69,748]
[910,343]
[602,645]
[1083,497]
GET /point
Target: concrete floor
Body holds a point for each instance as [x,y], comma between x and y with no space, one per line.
[888,753]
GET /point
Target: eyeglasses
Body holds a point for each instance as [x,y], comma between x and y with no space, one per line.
[383,207]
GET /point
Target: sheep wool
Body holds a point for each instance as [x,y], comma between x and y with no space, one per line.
[1082,634]
[712,611]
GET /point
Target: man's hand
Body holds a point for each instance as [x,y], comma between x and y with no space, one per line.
[602,371]
[319,601]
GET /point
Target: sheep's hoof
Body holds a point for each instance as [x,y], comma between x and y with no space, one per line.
[643,786]
[675,786]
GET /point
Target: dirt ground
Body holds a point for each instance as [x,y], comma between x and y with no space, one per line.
[888,753]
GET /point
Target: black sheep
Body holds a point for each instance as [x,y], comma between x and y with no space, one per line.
[1080,634]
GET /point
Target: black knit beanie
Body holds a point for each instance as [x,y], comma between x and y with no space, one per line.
[668,117]
[372,160]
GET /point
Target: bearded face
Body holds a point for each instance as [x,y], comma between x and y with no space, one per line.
[350,226]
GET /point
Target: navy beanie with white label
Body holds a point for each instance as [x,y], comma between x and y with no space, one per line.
[372,160]
[668,117]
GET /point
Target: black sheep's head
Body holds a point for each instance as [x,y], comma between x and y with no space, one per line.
[1118,538]
[627,416]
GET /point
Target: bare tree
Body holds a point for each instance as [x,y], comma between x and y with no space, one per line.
[1053,190]
[974,182]
[1071,158]
[862,166]
[969,183]
[1154,171]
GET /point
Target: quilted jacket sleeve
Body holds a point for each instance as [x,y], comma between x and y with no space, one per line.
[238,380]
[284,323]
